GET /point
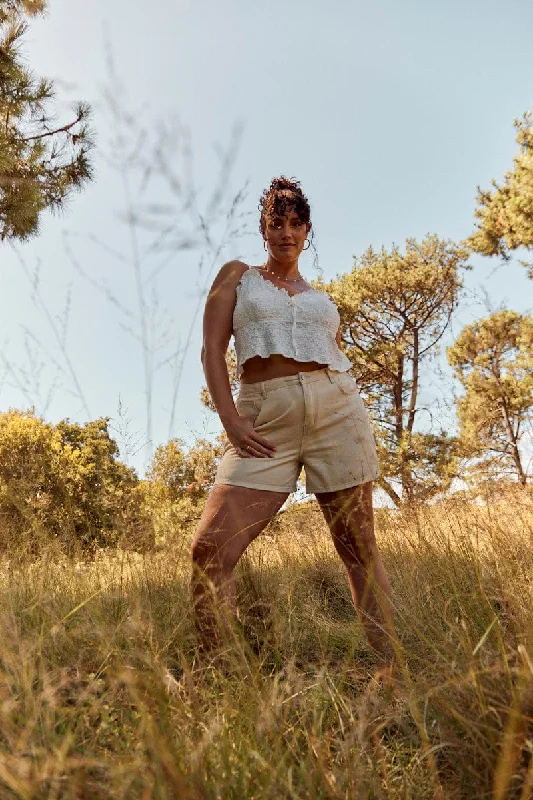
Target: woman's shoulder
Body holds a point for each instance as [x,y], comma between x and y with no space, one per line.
[233,267]
[230,274]
[234,270]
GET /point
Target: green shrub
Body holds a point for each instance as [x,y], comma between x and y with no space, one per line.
[63,482]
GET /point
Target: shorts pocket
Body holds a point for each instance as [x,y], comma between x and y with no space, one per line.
[347,384]
[350,390]
[249,405]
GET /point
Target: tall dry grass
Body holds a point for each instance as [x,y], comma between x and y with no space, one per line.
[100,696]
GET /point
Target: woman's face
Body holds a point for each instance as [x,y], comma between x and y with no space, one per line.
[286,229]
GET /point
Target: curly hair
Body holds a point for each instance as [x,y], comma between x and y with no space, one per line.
[283,194]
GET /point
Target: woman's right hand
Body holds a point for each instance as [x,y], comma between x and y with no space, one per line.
[246,441]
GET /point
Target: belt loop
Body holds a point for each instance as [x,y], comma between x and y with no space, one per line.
[330,376]
[263,390]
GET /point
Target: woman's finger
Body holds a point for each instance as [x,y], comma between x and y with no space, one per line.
[258,440]
[243,452]
[252,450]
[258,449]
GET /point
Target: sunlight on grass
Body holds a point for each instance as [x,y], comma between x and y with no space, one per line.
[101,695]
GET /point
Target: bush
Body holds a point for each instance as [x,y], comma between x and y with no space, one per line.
[63,482]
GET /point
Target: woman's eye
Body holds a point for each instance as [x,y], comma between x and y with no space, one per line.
[296,223]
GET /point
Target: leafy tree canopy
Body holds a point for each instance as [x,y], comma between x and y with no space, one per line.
[394,309]
[493,360]
[505,214]
[41,160]
[185,473]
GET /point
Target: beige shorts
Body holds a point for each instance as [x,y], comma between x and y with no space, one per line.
[316,420]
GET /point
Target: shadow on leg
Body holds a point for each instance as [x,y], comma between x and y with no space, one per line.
[350,518]
[232,518]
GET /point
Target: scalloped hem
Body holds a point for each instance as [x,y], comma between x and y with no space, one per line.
[334,368]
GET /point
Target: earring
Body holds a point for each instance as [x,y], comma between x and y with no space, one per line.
[264,245]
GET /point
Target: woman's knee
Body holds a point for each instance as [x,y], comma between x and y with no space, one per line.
[199,552]
[205,554]
[211,556]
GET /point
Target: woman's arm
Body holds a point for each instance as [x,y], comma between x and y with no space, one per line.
[218,327]
[217,330]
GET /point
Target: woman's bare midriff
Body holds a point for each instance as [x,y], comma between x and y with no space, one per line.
[276,366]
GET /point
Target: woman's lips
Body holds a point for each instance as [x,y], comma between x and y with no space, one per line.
[285,246]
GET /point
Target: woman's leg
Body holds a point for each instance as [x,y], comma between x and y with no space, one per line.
[350,518]
[232,518]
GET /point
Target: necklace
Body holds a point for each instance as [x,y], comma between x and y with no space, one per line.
[287,280]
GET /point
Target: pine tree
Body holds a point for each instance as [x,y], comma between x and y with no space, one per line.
[41,162]
[493,360]
[395,308]
[505,215]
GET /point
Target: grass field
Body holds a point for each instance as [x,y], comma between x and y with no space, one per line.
[100,697]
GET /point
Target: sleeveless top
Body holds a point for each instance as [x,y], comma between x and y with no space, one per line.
[267,320]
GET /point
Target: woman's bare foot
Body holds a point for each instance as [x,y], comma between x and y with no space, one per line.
[390,683]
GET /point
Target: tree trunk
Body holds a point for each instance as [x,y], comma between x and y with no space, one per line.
[387,488]
[414,386]
[513,441]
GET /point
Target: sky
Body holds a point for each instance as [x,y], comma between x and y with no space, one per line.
[389,114]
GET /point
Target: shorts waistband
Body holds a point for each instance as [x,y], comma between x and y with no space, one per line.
[263,387]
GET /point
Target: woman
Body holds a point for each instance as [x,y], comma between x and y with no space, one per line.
[296,405]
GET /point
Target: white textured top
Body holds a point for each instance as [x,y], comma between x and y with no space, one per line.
[267,320]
